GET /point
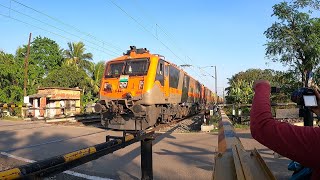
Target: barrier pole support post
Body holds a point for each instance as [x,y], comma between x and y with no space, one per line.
[308,117]
[146,159]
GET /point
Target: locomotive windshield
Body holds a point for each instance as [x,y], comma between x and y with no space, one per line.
[134,67]
[114,69]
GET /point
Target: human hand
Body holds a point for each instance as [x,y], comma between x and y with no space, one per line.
[259,82]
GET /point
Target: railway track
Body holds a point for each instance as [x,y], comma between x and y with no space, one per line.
[170,125]
[96,122]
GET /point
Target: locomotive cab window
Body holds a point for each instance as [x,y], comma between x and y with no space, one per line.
[160,73]
[174,77]
[114,69]
[136,67]
[160,69]
[166,70]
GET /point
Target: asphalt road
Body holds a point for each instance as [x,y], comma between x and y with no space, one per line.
[175,155]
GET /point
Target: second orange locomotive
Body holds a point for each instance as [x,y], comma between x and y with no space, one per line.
[139,90]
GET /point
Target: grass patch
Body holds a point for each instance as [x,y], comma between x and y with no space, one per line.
[214,120]
[11,118]
[215,130]
[241,126]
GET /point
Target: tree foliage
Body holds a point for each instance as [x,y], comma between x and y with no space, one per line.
[45,56]
[294,39]
[97,76]
[252,75]
[240,89]
[67,76]
[76,55]
[11,79]
[50,66]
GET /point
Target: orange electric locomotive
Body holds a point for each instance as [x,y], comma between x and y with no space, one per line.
[140,89]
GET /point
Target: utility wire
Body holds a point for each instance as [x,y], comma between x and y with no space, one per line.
[145,29]
[6,16]
[71,26]
[164,31]
[57,28]
[168,35]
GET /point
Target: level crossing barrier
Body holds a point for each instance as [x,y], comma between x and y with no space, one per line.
[58,164]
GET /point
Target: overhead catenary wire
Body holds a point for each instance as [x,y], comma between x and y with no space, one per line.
[157,26]
[145,29]
[163,30]
[114,53]
[57,34]
[70,26]
[88,34]
[171,38]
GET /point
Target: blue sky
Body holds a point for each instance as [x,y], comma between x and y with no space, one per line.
[227,34]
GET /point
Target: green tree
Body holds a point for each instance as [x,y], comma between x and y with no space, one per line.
[68,76]
[240,92]
[294,39]
[97,76]
[45,56]
[76,55]
[240,89]
[252,75]
[11,79]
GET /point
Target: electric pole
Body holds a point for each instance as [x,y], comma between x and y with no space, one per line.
[26,68]
[215,75]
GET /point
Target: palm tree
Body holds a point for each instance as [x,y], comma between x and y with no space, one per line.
[75,56]
[97,75]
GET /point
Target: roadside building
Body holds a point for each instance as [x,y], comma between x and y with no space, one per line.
[54,102]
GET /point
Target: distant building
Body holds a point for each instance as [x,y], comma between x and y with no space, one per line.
[54,101]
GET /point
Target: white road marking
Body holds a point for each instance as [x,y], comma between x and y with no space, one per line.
[17,158]
[85,176]
[53,141]
[72,173]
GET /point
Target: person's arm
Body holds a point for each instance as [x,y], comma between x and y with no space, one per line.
[301,144]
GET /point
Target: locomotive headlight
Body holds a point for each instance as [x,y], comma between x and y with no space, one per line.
[141,83]
[107,87]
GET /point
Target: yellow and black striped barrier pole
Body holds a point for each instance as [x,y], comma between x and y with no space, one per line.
[6,105]
[67,161]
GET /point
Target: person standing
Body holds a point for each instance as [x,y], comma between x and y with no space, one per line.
[300,144]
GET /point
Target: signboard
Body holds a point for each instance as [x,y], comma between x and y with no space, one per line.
[26,99]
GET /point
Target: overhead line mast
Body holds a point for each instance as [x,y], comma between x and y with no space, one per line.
[26,68]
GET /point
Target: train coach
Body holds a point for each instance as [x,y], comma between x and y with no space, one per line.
[140,89]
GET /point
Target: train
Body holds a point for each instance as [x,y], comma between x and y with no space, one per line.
[140,90]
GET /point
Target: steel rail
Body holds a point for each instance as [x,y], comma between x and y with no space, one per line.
[58,164]
[233,161]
